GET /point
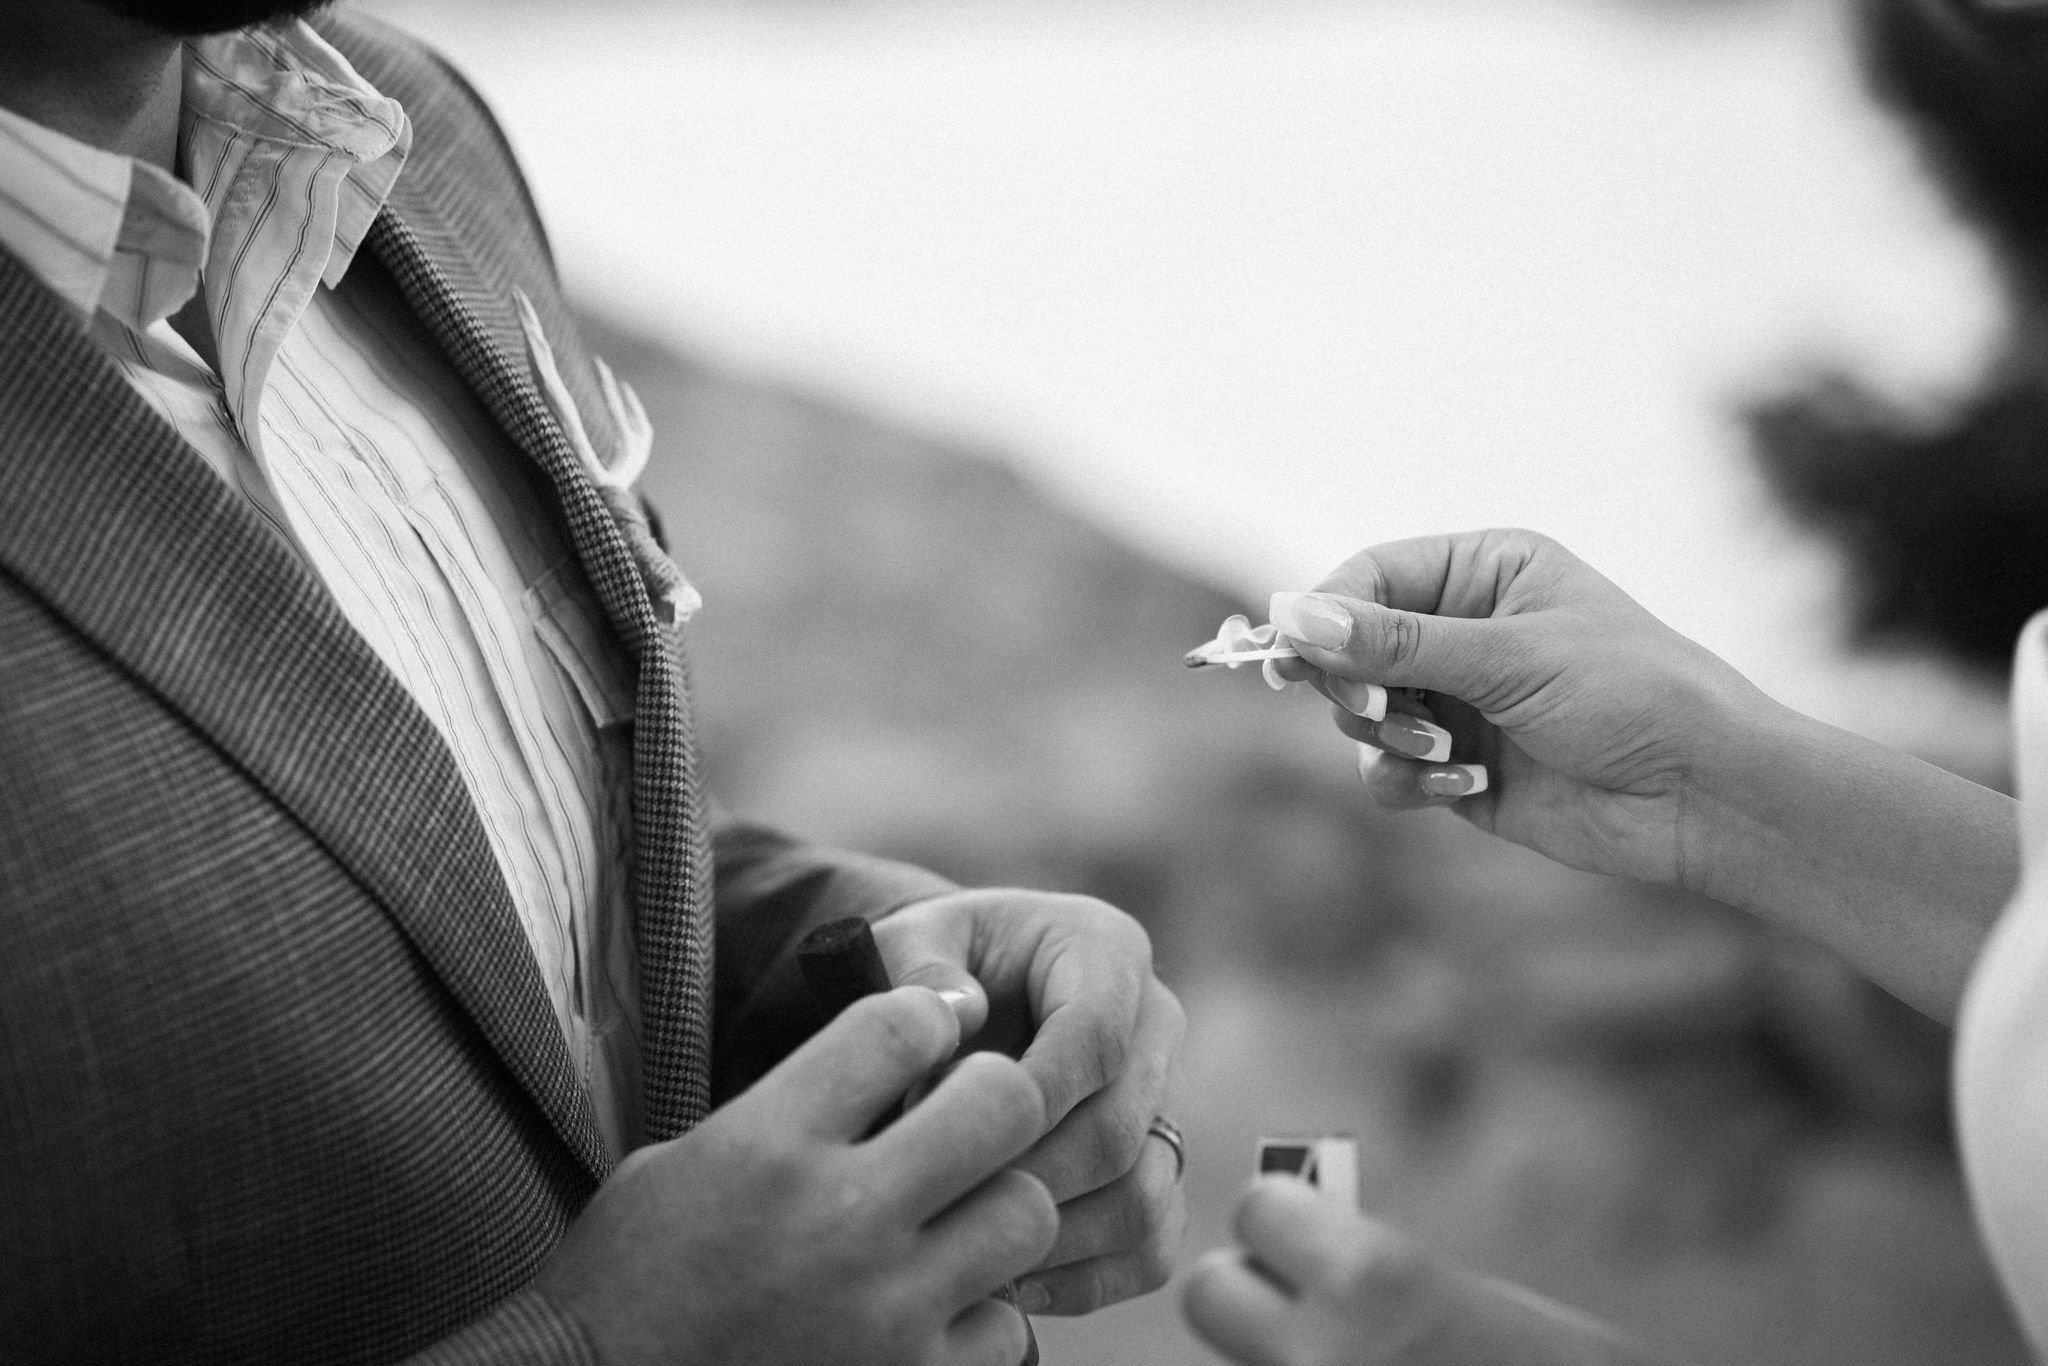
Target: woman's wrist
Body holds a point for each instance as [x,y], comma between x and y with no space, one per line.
[1737,780]
[1899,866]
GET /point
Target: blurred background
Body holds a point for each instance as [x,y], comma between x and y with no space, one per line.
[1000,348]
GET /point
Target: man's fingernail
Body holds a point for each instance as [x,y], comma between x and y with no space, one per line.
[953,996]
[1032,1298]
[1360,699]
[1311,619]
[1416,738]
[1455,780]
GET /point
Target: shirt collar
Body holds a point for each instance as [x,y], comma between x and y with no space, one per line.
[284,87]
[65,207]
[108,233]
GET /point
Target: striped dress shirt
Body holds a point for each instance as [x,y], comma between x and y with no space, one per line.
[327,407]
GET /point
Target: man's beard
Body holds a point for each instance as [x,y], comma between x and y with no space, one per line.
[189,17]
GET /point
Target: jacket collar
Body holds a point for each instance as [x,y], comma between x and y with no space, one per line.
[462,242]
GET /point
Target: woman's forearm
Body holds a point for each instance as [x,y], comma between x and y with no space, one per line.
[1899,866]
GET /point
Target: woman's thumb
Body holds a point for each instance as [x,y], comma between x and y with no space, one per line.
[1371,643]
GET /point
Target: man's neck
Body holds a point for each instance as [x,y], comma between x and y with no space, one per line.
[109,82]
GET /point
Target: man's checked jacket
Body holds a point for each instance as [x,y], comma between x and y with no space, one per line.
[279,1080]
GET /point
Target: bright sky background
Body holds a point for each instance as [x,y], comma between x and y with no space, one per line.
[1260,283]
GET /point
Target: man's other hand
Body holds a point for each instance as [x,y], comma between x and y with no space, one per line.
[1065,984]
[774,1232]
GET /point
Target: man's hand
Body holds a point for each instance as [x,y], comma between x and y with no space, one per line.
[773,1233]
[1314,1285]
[1065,984]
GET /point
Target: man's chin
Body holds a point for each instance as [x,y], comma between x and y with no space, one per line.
[188,18]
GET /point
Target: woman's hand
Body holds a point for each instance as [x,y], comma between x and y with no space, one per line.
[1314,1285]
[1598,730]
[1612,743]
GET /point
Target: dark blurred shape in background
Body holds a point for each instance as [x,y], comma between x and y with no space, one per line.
[1944,515]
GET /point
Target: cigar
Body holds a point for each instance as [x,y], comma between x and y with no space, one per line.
[841,964]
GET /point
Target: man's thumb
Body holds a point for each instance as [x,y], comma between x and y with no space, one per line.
[955,986]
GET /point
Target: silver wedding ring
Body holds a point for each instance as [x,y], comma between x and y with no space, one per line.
[1167,1132]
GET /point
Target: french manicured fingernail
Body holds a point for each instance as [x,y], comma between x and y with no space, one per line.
[1455,780]
[1311,619]
[1416,738]
[1032,1298]
[1361,699]
[1271,672]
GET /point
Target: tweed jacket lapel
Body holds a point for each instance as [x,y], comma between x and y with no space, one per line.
[121,529]
[459,237]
